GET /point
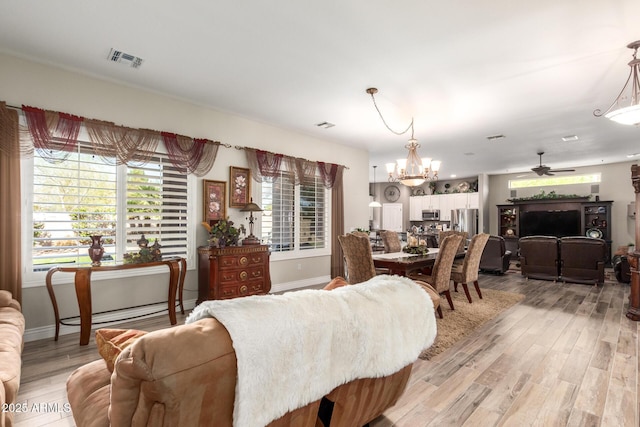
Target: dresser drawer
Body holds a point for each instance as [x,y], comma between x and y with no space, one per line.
[234,291]
[237,261]
[241,275]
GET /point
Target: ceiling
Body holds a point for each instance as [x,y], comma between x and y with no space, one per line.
[531,71]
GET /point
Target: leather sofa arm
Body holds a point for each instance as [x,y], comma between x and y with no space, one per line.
[6,300]
[159,384]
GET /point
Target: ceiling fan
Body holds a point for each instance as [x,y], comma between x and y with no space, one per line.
[546,170]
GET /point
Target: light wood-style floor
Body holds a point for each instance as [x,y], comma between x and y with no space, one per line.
[565,356]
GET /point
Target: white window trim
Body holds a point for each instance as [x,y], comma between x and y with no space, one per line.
[298,253]
[33,279]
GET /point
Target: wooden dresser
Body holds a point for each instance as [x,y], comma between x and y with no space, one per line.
[234,271]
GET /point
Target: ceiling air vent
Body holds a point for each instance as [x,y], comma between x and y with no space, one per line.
[125,58]
[325,125]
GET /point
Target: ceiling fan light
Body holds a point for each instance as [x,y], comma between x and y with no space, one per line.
[626,116]
[375,204]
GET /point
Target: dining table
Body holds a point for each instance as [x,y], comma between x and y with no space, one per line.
[402,263]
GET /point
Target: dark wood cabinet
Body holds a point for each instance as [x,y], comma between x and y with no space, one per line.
[234,271]
[596,222]
[508,221]
[572,217]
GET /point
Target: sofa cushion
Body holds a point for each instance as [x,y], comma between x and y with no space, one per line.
[111,342]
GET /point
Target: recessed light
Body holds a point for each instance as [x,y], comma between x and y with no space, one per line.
[469,154]
[454,175]
[325,125]
[495,137]
[629,156]
[570,138]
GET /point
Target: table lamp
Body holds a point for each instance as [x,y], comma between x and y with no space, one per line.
[251,208]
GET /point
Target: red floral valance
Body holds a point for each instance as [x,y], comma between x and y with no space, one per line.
[267,166]
[55,137]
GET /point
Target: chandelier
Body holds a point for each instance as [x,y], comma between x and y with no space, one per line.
[413,170]
[627,112]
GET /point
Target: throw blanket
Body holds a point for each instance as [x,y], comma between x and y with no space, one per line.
[294,348]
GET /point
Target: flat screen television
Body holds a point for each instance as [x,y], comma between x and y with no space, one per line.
[550,223]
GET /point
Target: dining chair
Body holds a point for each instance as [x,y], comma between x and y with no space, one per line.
[358,256]
[466,271]
[463,234]
[391,241]
[440,277]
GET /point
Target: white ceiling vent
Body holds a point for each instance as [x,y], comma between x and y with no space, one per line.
[125,58]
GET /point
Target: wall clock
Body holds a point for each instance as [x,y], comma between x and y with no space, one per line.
[392,193]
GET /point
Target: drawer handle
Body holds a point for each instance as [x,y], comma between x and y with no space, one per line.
[227,262]
[227,292]
[256,260]
[228,277]
[257,287]
[243,261]
[243,289]
[243,275]
[257,273]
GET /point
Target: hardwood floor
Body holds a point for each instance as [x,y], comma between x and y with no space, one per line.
[565,356]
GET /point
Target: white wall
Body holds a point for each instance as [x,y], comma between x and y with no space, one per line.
[615,186]
[43,86]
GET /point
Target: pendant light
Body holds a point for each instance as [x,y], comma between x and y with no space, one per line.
[626,107]
[374,203]
[413,170]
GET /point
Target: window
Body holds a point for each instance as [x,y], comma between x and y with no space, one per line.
[84,196]
[296,218]
[555,180]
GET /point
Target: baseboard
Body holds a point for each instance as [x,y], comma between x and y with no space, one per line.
[44,332]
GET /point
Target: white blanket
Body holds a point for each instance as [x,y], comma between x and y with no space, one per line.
[294,348]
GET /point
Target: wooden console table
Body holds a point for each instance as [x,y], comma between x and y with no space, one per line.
[82,278]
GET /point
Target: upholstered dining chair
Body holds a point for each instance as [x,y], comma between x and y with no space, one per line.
[391,241]
[358,256]
[463,234]
[466,271]
[440,277]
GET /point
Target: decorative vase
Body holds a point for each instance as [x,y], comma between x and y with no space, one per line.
[96,250]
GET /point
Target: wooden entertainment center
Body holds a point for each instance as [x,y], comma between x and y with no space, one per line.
[580,216]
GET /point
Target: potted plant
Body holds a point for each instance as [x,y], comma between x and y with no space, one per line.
[223,233]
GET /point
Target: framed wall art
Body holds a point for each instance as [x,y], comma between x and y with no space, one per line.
[239,187]
[214,200]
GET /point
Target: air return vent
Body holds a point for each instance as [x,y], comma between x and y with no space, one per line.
[125,58]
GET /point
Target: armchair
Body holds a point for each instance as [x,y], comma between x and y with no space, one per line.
[582,259]
[495,257]
[539,257]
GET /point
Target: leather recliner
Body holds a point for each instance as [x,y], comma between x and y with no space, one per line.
[495,257]
[582,259]
[539,257]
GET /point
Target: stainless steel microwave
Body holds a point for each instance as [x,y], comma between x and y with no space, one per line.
[431,215]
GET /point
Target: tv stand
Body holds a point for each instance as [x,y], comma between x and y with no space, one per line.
[595,217]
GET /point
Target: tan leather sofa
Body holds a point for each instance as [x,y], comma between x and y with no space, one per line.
[11,343]
[186,376]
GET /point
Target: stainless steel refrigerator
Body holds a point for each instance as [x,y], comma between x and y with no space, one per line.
[465,220]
